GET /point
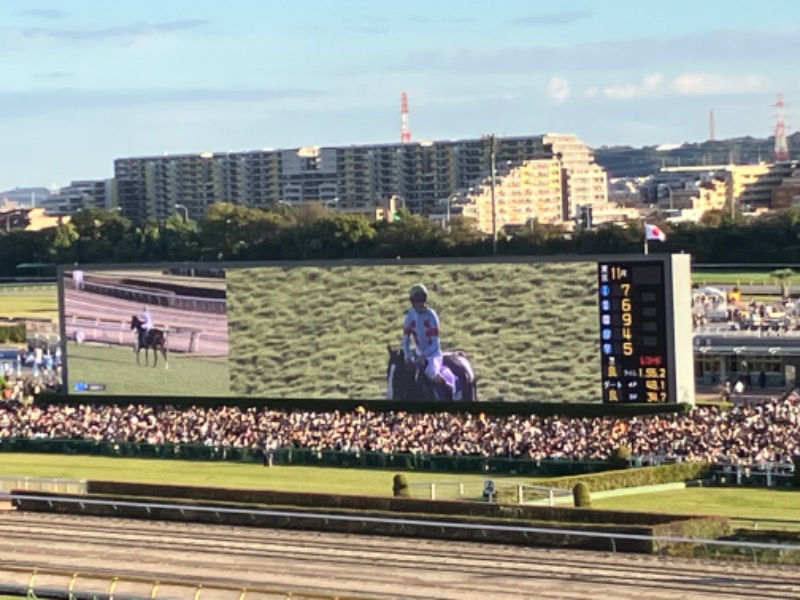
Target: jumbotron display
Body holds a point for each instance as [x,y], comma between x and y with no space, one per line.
[586,330]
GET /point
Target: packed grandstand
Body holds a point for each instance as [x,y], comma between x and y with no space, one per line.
[764,431]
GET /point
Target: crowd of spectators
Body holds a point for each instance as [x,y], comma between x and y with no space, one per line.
[767,431]
[777,317]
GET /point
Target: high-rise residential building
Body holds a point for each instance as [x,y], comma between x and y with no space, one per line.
[523,194]
[586,182]
[90,193]
[352,178]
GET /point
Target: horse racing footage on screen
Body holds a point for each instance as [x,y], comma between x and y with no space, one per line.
[449,331]
[557,330]
[145,331]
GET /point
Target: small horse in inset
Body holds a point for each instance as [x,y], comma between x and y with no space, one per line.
[406,380]
[154,339]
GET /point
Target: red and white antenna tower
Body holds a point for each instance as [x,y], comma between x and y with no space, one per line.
[405,132]
[711,133]
[781,144]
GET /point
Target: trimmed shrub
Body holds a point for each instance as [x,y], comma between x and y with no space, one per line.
[619,458]
[400,487]
[581,494]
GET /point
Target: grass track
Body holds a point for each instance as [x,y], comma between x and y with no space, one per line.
[29,301]
[115,366]
[734,502]
[763,503]
[359,482]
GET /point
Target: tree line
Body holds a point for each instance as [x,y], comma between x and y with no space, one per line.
[237,233]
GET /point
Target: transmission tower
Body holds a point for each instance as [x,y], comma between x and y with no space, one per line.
[781,144]
[405,132]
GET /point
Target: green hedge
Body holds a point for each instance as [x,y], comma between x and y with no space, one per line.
[628,478]
[308,456]
[13,333]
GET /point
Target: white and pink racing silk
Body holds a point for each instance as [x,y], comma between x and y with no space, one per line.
[423,329]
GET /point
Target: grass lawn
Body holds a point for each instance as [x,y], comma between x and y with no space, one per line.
[360,482]
[734,502]
[39,301]
[769,503]
[115,366]
[739,277]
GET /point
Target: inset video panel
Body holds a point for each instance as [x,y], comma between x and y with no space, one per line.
[185,350]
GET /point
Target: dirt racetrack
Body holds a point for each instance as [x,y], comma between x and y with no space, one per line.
[84,305]
[356,566]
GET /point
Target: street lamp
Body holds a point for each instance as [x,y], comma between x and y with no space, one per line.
[448,202]
[493,167]
[185,211]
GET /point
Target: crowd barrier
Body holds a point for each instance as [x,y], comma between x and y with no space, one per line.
[308,457]
[767,474]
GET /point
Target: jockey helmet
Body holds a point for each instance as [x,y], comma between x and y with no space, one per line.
[418,292]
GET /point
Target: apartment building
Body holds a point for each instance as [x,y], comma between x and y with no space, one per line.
[748,188]
[585,182]
[90,193]
[350,178]
[787,194]
[523,194]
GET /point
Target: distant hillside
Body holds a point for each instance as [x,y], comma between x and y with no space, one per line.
[624,161]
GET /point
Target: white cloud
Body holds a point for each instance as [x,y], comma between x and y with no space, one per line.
[685,84]
[622,91]
[558,89]
[702,84]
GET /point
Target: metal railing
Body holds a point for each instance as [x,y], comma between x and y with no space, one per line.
[770,474]
[119,332]
[519,493]
[42,484]
[434,525]
[166,299]
[44,582]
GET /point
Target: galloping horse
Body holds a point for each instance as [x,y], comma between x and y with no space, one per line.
[154,339]
[406,380]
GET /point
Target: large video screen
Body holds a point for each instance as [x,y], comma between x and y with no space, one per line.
[530,331]
[512,330]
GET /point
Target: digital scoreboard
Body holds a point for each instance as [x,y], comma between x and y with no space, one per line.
[636,347]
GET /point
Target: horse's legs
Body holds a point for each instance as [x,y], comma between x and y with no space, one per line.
[164,352]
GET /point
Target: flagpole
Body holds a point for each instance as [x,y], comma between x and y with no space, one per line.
[645,243]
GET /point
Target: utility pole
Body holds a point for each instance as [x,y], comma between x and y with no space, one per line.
[493,167]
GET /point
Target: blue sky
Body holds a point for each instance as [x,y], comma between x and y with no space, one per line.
[88,81]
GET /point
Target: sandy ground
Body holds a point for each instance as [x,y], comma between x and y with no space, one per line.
[351,566]
[213,327]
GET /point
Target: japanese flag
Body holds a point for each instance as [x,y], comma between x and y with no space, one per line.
[652,232]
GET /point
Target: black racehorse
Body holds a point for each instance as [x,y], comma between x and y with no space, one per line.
[406,380]
[154,339]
